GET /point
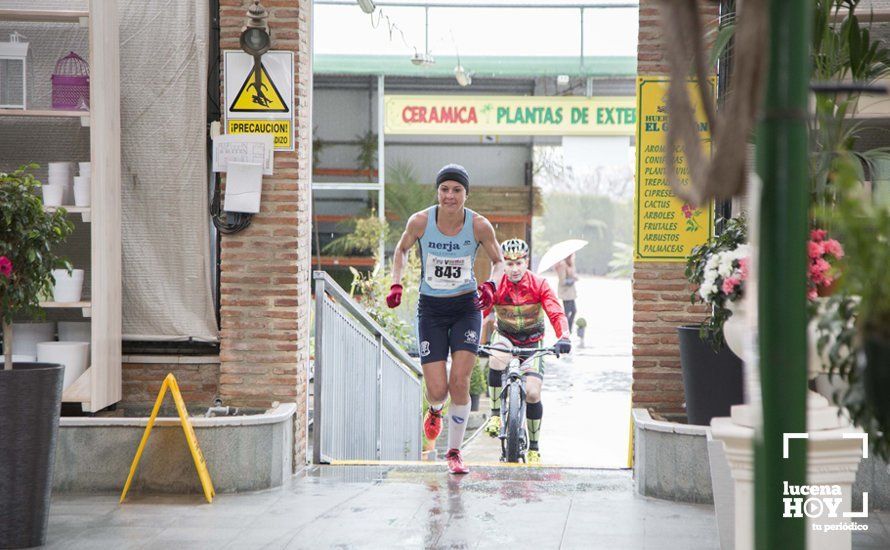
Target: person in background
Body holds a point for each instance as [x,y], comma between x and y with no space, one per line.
[565,290]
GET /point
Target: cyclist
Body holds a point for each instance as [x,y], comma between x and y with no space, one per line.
[522,301]
[449,309]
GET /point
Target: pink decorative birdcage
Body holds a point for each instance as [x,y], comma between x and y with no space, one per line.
[71,83]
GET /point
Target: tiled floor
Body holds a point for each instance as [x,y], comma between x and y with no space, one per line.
[406,507]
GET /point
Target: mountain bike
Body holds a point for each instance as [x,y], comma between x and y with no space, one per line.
[513,434]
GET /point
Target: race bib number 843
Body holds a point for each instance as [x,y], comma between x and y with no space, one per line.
[447,273]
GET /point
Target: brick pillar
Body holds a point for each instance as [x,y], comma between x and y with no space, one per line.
[264,287]
[660,290]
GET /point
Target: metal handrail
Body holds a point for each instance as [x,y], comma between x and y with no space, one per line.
[331,287]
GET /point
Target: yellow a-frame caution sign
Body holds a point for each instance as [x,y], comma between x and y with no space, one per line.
[197,455]
[263,99]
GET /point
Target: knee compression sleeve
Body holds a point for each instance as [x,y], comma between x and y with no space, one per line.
[534,412]
[494,391]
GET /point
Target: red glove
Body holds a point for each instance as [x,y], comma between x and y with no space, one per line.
[394,298]
[485,299]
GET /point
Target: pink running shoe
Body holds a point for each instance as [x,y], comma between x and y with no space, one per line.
[432,424]
[455,462]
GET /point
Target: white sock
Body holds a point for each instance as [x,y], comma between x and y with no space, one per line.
[437,408]
[457,424]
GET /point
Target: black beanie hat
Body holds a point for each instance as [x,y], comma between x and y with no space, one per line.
[454,172]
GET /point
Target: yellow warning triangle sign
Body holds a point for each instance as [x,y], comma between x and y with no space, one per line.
[265,100]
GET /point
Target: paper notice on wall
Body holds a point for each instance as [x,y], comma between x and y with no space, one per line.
[244,148]
[244,182]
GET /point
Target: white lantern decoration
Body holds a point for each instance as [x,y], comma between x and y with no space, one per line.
[14,73]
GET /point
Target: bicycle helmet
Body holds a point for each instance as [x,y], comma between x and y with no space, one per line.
[514,249]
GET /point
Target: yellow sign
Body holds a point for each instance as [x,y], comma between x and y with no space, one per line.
[197,455]
[266,107]
[509,115]
[666,229]
[264,98]
[280,129]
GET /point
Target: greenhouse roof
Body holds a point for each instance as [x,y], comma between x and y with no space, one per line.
[483,66]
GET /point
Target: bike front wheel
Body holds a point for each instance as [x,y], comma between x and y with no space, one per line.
[514,423]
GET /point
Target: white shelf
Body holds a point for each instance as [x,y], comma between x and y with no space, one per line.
[84,116]
[85,307]
[45,16]
[84,211]
[101,385]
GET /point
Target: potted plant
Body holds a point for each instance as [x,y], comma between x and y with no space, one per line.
[30,393]
[581,325]
[712,373]
[478,385]
[865,227]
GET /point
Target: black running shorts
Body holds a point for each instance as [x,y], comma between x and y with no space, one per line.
[449,323]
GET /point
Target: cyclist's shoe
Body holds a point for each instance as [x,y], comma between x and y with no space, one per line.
[493,428]
[456,462]
[432,424]
[533,457]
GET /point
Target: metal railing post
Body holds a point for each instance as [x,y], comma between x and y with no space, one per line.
[782,163]
[319,346]
[380,418]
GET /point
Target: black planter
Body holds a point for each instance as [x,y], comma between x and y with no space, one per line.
[30,401]
[474,402]
[712,380]
[877,379]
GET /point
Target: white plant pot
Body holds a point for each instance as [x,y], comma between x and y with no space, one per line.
[60,173]
[68,288]
[74,355]
[81,191]
[734,328]
[84,169]
[53,194]
[25,337]
[74,331]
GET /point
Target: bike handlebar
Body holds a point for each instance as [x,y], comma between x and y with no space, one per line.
[516,351]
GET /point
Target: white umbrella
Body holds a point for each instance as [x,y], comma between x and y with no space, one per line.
[559,251]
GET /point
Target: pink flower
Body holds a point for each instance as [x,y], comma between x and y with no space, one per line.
[815,249]
[817,234]
[5,266]
[687,210]
[744,266]
[817,271]
[811,294]
[730,284]
[834,248]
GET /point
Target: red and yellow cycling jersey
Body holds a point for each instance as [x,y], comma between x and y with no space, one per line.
[521,307]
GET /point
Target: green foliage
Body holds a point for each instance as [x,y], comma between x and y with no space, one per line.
[318,145]
[367,154]
[836,335]
[864,229]
[622,262]
[735,233]
[581,322]
[597,219]
[371,289]
[363,240]
[843,49]
[28,235]
[478,382]
[405,195]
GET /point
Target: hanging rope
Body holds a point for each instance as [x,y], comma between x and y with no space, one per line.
[723,175]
